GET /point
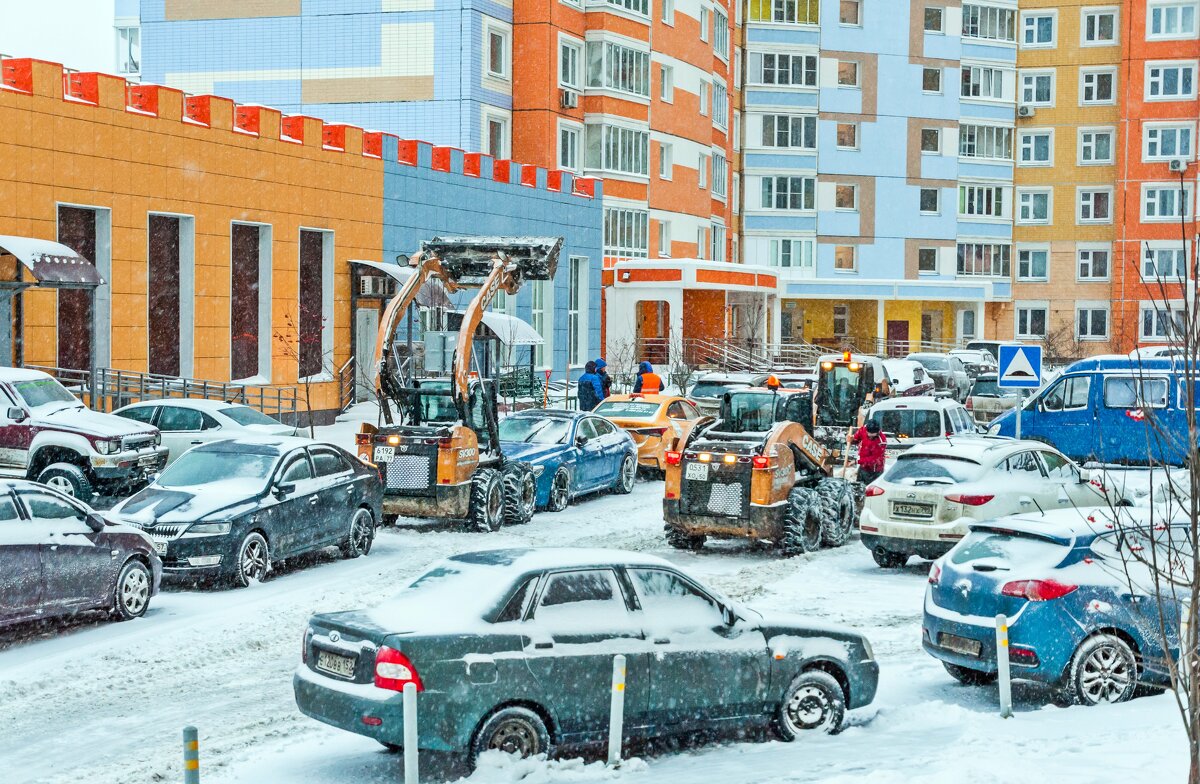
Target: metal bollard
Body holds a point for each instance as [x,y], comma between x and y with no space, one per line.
[1002,667]
[616,713]
[191,755]
[411,775]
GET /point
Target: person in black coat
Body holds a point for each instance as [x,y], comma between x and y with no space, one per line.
[591,388]
[605,379]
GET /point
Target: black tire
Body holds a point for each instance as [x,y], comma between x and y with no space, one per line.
[513,730]
[627,477]
[838,516]
[520,493]
[886,559]
[253,562]
[487,501]
[560,491]
[813,701]
[968,677]
[801,523]
[362,534]
[1103,669]
[131,592]
[391,748]
[68,479]
[681,540]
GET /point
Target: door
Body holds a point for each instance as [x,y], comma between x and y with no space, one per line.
[366,336]
[612,450]
[296,523]
[183,428]
[1064,417]
[703,669]
[591,455]
[580,621]
[338,493]
[1125,431]
[15,437]
[77,571]
[1031,489]
[20,563]
[1064,475]
[897,338]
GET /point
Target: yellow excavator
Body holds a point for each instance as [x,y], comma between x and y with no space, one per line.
[437,447]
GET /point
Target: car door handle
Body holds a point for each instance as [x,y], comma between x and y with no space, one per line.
[197,441]
[662,641]
[543,645]
[53,547]
[314,500]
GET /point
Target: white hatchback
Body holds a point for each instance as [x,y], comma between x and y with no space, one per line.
[925,500]
[186,423]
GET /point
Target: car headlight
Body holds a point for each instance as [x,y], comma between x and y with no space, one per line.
[994,430]
[158,439]
[209,529]
[109,446]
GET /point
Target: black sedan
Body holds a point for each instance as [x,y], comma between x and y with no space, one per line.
[231,509]
[59,558]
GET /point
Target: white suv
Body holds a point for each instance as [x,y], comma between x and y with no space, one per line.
[910,421]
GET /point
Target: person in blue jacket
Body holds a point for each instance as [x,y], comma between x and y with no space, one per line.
[648,382]
[605,379]
[591,388]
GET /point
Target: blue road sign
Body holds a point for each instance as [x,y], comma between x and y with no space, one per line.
[1020,367]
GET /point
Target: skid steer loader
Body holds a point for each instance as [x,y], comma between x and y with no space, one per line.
[755,472]
[437,448]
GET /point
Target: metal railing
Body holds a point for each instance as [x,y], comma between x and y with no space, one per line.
[731,355]
[347,380]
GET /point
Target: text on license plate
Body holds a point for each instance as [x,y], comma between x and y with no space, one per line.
[338,665]
[160,546]
[696,471]
[148,460]
[959,644]
[384,454]
[914,510]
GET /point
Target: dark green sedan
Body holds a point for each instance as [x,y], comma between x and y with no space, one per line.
[513,650]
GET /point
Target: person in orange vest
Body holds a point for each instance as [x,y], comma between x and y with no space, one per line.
[648,382]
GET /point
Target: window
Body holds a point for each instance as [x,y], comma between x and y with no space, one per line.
[989,23]
[985,141]
[577,299]
[927,260]
[1037,29]
[326,462]
[980,82]
[668,12]
[720,105]
[588,599]
[666,84]
[931,80]
[845,258]
[792,253]
[1171,19]
[1031,263]
[1096,86]
[721,34]
[845,197]
[640,7]
[847,73]
[1037,88]
[176,419]
[615,148]
[1163,202]
[1170,81]
[568,147]
[702,171]
[1099,26]
[669,601]
[1164,263]
[1160,324]
[703,24]
[930,201]
[666,161]
[703,97]
[931,140]
[1033,206]
[1092,263]
[626,233]
[497,53]
[791,131]
[250,249]
[737,130]
[1130,392]
[851,12]
[934,19]
[129,50]
[720,175]
[980,258]
[1091,323]
[797,70]
[497,136]
[44,507]
[1031,322]
[1037,148]
[788,193]
[717,252]
[569,55]
[737,196]
[841,320]
[1095,205]
[981,200]
[664,239]
[1164,142]
[788,11]
[1095,146]
[701,241]
[1070,393]
[615,67]
[538,307]
[315,303]
[847,136]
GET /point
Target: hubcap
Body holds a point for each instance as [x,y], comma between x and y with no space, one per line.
[254,560]
[516,736]
[807,709]
[361,531]
[1104,676]
[61,484]
[628,471]
[135,591]
[560,490]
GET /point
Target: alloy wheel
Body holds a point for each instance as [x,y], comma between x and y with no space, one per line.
[135,591]
[254,560]
[1104,676]
[516,736]
[560,491]
[62,485]
[360,533]
[628,473]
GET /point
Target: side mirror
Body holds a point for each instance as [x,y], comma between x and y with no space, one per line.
[284,489]
[981,430]
[729,615]
[1085,476]
[581,441]
[16,414]
[95,522]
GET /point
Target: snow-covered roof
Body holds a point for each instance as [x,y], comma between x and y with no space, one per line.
[923,402]
[197,403]
[21,374]
[731,378]
[536,558]
[972,447]
[264,445]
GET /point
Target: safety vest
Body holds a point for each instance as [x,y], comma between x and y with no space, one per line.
[651,384]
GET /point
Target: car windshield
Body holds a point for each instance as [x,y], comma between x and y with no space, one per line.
[200,467]
[535,430]
[714,388]
[44,391]
[626,409]
[910,422]
[244,415]
[750,412]
[986,387]
[437,408]
[932,469]
[934,363]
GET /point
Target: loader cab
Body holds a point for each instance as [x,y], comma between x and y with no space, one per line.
[844,383]
[482,414]
[757,410]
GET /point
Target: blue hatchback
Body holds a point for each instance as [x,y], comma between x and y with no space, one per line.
[1081,605]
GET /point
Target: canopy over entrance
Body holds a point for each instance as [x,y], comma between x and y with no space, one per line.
[52,265]
[430,296]
[509,330]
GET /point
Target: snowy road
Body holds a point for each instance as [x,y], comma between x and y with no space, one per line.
[106,702]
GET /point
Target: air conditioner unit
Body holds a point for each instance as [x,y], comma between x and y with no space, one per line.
[568,99]
[1026,111]
[1177,165]
[376,286]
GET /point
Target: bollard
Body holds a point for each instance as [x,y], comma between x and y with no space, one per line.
[191,755]
[410,733]
[616,713]
[1002,667]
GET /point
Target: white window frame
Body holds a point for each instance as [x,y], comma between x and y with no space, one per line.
[1083,144]
[1159,127]
[1149,258]
[578,299]
[837,141]
[857,4]
[937,210]
[1084,73]
[936,260]
[857,84]
[999,193]
[577,129]
[853,268]
[666,161]
[702,171]
[1164,64]
[667,12]
[1163,313]
[1033,15]
[720,34]
[1091,308]
[991,19]
[1098,11]
[782,65]
[941,17]
[1030,193]
[1188,201]
[996,76]
[1081,194]
[490,114]
[638,156]
[666,84]
[1033,133]
[1091,248]
[1030,307]
[705,16]
[978,137]
[1035,74]
[807,184]
[940,77]
[1028,248]
[798,253]
[494,27]
[574,45]
[124,29]
[702,98]
[808,131]
[1179,5]
[664,239]
[853,194]
[719,176]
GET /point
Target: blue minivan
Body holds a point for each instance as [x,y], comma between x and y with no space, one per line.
[1112,409]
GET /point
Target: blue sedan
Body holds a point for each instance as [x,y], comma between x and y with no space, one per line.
[1081,602]
[576,453]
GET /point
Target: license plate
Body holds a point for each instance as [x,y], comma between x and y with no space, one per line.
[333,663]
[953,642]
[913,510]
[384,454]
[148,460]
[697,471]
[160,546]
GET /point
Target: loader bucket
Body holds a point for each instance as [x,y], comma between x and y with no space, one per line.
[536,258]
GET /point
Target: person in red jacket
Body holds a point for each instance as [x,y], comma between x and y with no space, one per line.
[872,446]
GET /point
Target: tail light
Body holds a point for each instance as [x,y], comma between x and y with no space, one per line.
[935,573]
[1026,657]
[760,461]
[873,490]
[650,431]
[968,499]
[304,646]
[362,439]
[969,404]
[1037,590]
[393,670]
[672,457]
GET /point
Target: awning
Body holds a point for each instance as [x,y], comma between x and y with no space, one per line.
[511,330]
[429,296]
[53,264]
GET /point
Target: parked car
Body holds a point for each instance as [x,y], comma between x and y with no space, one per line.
[987,400]
[924,502]
[571,453]
[47,435]
[707,391]
[185,423]
[911,421]
[949,375]
[990,346]
[805,378]
[60,558]
[231,509]
[513,650]
[975,360]
[1083,610]
[1152,352]
[654,421]
[908,378]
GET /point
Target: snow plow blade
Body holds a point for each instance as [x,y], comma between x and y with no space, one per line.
[470,258]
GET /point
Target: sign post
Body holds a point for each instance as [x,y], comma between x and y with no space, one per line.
[1020,367]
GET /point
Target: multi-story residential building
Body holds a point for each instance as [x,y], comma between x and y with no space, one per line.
[102,35]
[1066,154]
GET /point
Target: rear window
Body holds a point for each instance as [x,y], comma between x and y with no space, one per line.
[1010,547]
[704,389]
[920,469]
[244,415]
[621,408]
[910,423]
[934,363]
[986,388]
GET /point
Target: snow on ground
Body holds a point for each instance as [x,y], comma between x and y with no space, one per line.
[106,702]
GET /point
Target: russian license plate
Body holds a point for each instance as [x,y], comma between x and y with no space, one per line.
[913,510]
[384,454]
[333,663]
[696,471]
[952,642]
[160,546]
[148,460]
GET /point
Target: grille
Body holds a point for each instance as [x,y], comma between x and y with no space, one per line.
[409,472]
[137,442]
[722,499]
[163,532]
[725,499]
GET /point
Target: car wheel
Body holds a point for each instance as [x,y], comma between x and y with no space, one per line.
[889,560]
[513,730]
[1103,669]
[362,534]
[67,479]
[391,748]
[837,511]
[683,541]
[560,491]
[131,596]
[520,493]
[628,476]
[968,677]
[253,561]
[813,701]
[801,523]
[487,500]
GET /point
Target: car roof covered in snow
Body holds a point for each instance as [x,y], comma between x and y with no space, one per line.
[265,445]
[533,559]
[922,402]
[978,448]
[1066,524]
[196,403]
[552,413]
[731,378]
[21,374]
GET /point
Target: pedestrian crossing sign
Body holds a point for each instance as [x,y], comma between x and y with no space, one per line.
[1020,367]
